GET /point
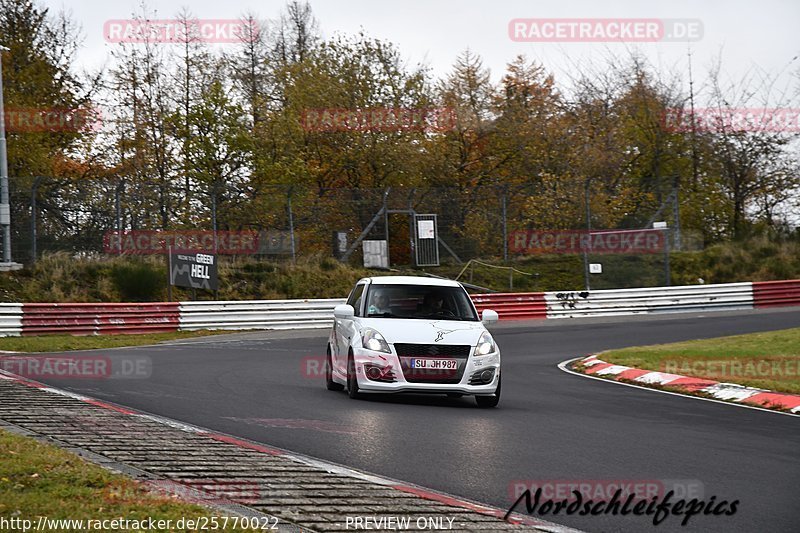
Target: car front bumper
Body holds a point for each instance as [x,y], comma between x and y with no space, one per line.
[364,358]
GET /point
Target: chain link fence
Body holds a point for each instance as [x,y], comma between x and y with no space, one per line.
[480,222]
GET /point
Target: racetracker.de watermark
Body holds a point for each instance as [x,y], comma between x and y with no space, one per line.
[51,119]
[603,30]
[648,241]
[722,369]
[600,489]
[148,242]
[177,31]
[78,366]
[202,490]
[382,119]
[735,119]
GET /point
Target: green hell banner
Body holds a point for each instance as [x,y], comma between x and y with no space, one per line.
[193,271]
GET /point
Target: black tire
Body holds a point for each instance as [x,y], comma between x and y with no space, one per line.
[329,383]
[489,401]
[352,380]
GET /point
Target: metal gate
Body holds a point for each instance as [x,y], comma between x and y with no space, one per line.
[426,240]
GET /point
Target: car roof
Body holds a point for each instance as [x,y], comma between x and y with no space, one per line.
[412,280]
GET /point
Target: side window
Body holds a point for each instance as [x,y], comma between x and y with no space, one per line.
[355,298]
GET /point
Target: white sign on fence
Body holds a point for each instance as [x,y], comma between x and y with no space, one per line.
[425,229]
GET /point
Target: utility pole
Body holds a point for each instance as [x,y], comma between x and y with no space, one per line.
[5,208]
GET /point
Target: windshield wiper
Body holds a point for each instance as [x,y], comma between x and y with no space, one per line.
[383,315]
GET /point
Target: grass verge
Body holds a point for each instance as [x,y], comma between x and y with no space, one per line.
[42,480]
[767,360]
[65,343]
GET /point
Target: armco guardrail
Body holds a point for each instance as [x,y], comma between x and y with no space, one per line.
[258,314]
[98,318]
[776,293]
[10,320]
[723,297]
[510,306]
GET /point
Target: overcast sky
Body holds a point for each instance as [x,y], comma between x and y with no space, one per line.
[746,34]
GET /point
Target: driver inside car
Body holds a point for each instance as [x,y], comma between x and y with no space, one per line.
[379,304]
[432,304]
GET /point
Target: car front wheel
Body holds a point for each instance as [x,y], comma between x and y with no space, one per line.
[490,401]
[332,385]
[352,380]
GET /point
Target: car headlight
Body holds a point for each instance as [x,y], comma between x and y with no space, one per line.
[485,344]
[372,340]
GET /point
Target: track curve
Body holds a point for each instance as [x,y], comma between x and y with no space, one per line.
[550,425]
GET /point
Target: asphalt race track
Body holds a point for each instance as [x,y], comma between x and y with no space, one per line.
[550,425]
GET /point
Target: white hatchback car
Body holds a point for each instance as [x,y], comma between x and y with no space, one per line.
[413,334]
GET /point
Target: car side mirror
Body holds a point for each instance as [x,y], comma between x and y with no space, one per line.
[344,311]
[489,317]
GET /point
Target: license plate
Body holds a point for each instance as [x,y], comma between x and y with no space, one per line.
[435,364]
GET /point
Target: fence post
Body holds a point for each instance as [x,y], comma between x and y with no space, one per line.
[505,225]
[413,255]
[386,230]
[291,224]
[214,213]
[667,274]
[169,273]
[589,233]
[118,207]
[34,190]
[676,214]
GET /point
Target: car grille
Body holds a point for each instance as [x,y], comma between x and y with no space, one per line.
[432,350]
[406,352]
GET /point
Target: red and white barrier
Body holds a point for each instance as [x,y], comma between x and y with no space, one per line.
[121,318]
[512,306]
[776,293]
[98,318]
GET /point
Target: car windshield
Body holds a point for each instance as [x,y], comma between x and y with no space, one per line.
[419,301]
